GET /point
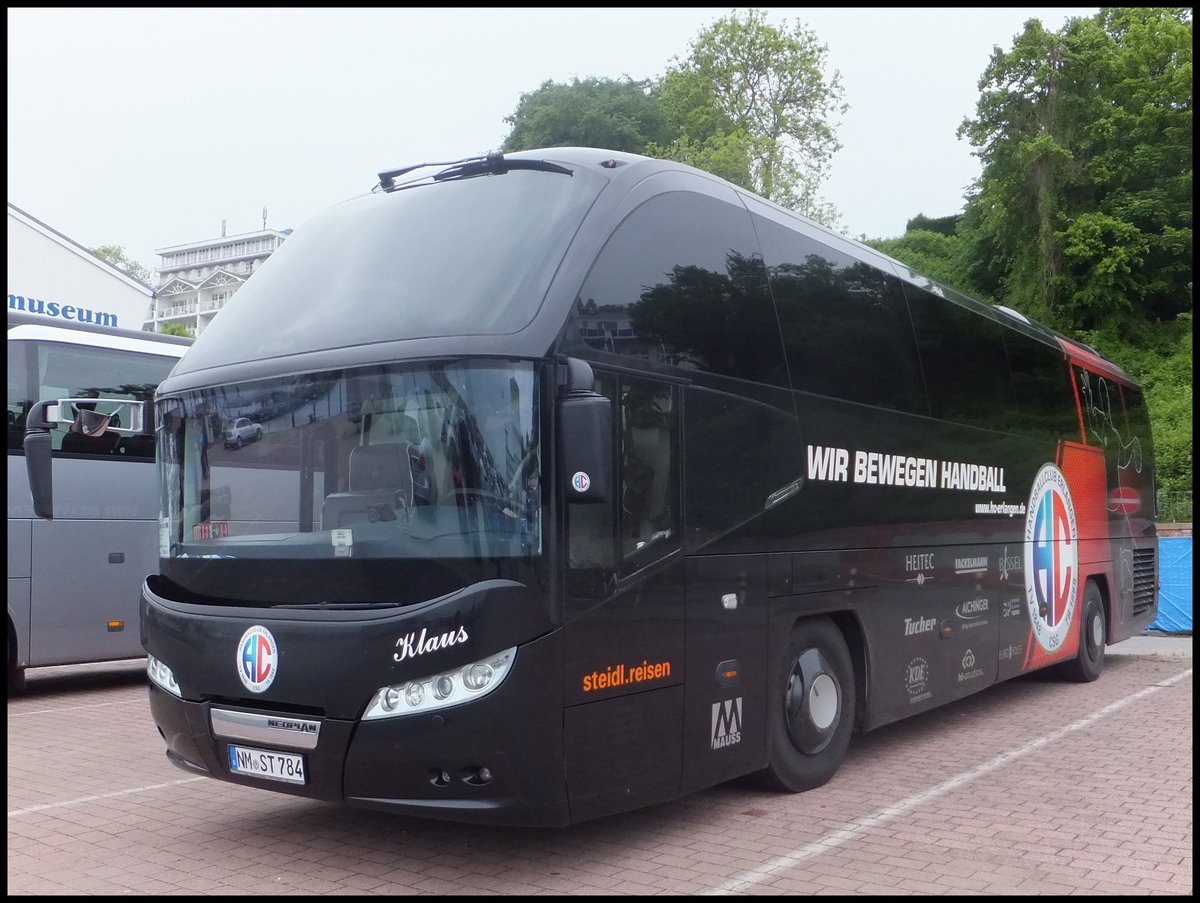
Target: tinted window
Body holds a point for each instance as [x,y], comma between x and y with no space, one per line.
[469,257]
[642,522]
[1042,386]
[1117,421]
[965,362]
[845,324]
[680,282]
[742,459]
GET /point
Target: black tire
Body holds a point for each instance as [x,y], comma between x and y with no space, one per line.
[257,434]
[1089,662]
[810,709]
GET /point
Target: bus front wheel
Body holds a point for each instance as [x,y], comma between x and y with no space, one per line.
[811,709]
[1089,661]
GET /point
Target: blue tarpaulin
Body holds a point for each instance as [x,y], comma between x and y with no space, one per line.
[1175,590]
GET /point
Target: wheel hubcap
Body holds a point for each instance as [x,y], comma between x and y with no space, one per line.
[1097,632]
[813,702]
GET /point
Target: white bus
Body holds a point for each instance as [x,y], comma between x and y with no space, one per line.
[74,578]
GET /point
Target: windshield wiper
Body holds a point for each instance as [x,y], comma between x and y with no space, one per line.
[493,163]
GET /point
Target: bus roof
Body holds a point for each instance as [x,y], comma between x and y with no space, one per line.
[30,327]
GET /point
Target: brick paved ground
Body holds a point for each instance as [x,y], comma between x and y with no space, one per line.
[1031,787]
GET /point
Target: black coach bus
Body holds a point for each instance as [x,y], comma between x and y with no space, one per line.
[589,480]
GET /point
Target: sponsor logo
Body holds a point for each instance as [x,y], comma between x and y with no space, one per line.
[973,613]
[969,671]
[726,723]
[623,675]
[1011,651]
[257,659]
[1008,564]
[916,680]
[920,563]
[581,482]
[1051,558]
[1012,608]
[914,626]
[411,645]
[971,565]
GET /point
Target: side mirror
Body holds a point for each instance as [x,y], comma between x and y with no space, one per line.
[584,436]
[38,462]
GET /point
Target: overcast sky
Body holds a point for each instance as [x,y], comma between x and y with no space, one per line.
[148,128]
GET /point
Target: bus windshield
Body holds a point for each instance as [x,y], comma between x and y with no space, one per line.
[430,460]
[451,258]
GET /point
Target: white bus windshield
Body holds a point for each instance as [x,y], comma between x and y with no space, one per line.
[433,460]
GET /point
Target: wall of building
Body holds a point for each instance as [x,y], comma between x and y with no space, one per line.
[51,275]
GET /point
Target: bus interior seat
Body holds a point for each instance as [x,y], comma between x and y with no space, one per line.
[386,466]
[379,485]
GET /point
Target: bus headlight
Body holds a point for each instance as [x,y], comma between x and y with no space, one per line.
[440,691]
[161,675]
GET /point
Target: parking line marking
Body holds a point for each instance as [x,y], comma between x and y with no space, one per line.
[844,835]
[13,813]
[72,708]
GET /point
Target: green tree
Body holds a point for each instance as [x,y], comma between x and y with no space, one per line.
[763,87]
[176,329]
[937,255]
[1083,211]
[615,114]
[1082,215]
[115,254]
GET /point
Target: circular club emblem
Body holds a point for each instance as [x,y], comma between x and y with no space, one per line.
[581,481]
[1051,558]
[257,659]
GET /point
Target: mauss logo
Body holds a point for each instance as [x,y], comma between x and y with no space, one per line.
[726,723]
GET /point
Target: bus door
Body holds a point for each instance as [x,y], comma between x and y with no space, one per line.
[624,648]
[740,496]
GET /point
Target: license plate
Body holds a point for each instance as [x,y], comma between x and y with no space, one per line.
[267,763]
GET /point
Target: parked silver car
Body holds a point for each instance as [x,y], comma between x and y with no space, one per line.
[241,431]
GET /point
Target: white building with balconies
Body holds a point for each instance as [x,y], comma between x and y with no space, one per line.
[196,280]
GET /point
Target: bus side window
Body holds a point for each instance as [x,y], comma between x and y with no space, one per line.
[641,524]
[649,475]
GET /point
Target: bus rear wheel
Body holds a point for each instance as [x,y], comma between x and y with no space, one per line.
[811,709]
[1089,661]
